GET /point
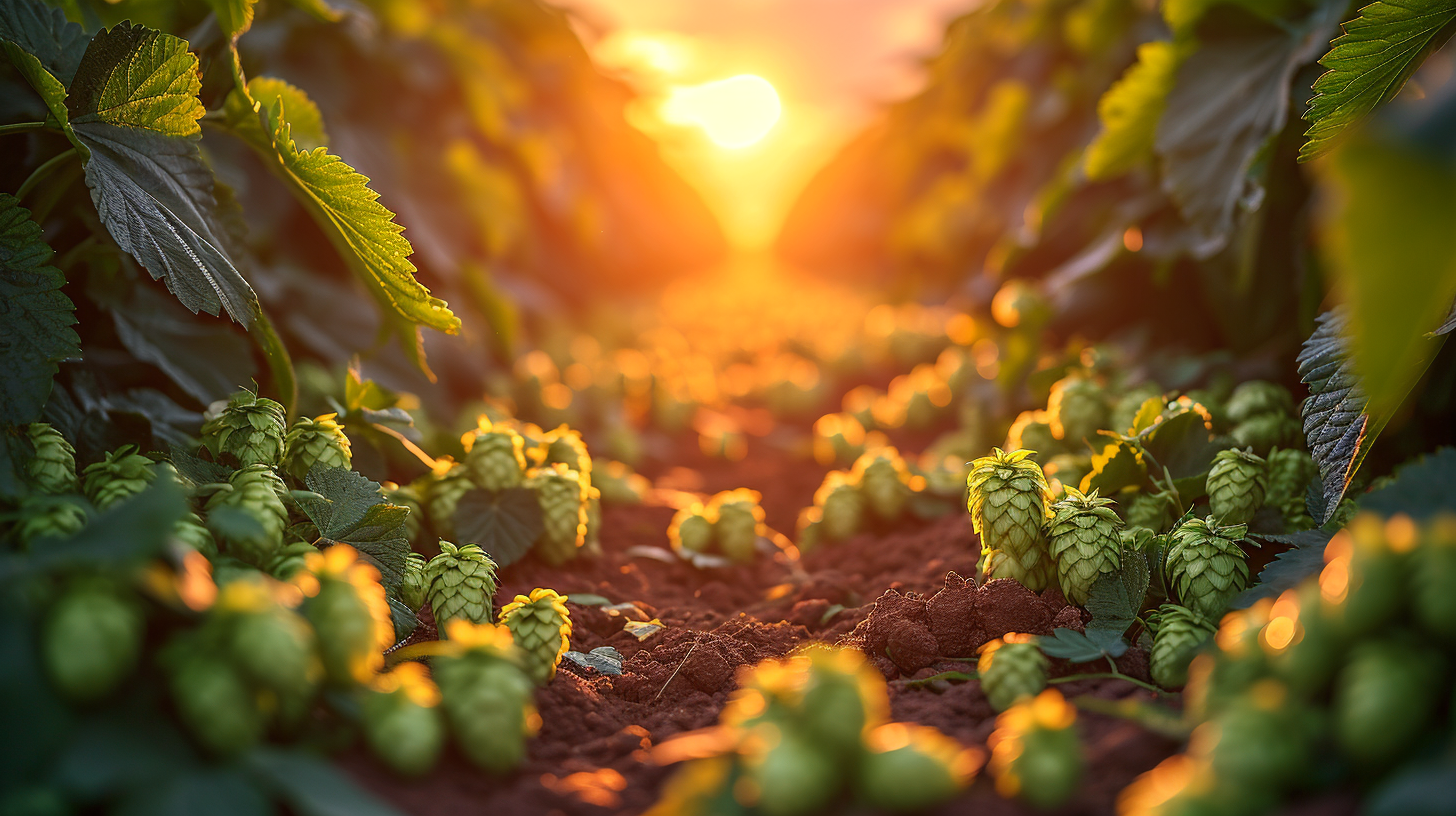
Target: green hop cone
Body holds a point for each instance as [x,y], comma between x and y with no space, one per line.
[215,702]
[1385,697]
[402,720]
[1205,566]
[1266,431]
[274,648]
[843,506]
[1236,486]
[1263,741]
[349,614]
[884,483]
[562,497]
[460,583]
[1078,409]
[1434,575]
[912,767]
[1032,430]
[250,429]
[486,696]
[738,520]
[1181,632]
[1156,511]
[44,517]
[794,776]
[1085,541]
[691,530]
[414,586]
[443,492]
[320,441]
[192,532]
[1290,472]
[289,559]
[1010,671]
[1008,498]
[565,447]
[53,468]
[121,475]
[541,629]
[406,496]
[1259,398]
[253,492]
[1035,753]
[91,640]
[496,459]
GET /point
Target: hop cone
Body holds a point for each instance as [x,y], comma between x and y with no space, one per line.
[53,469]
[1236,486]
[121,475]
[1008,497]
[1265,431]
[1078,408]
[899,776]
[190,530]
[541,629]
[402,720]
[561,494]
[1205,567]
[406,496]
[486,696]
[460,583]
[254,490]
[1010,671]
[884,483]
[1259,398]
[1153,511]
[1032,431]
[350,615]
[1434,574]
[91,641]
[1085,542]
[691,529]
[442,496]
[250,428]
[1035,754]
[1290,472]
[843,505]
[44,517]
[414,587]
[273,646]
[1385,697]
[312,442]
[809,528]
[288,560]
[794,775]
[1262,741]
[564,446]
[1180,632]
[215,702]
[496,459]
[739,520]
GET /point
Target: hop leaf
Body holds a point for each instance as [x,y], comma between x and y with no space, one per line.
[1130,111]
[36,334]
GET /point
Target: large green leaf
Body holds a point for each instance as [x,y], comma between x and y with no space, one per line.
[1370,63]
[44,33]
[350,509]
[208,359]
[504,523]
[138,77]
[36,333]
[234,17]
[1336,426]
[1117,597]
[1130,110]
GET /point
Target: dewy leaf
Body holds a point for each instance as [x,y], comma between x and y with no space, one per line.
[137,77]
[353,511]
[44,32]
[1130,110]
[1370,63]
[234,17]
[35,316]
[1336,426]
[303,115]
[1231,96]
[154,194]
[504,523]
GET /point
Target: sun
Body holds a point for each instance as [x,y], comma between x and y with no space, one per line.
[734,112]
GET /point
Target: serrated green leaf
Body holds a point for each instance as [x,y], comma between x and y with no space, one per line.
[1117,465]
[1423,488]
[303,114]
[234,17]
[1336,425]
[44,33]
[504,523]
[351,509]
[1077,647]
[1304,559]
[1130,110]
[199,471]
[36,333]
[1116,598]
[1370,63]
[50,89]
[138,77]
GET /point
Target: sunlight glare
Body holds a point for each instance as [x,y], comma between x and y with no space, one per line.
[734,113]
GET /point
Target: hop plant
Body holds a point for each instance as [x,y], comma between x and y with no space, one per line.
[1259,398]
[406,496]
[192,532]
[1035,754]
[909,768]
[414,586]
[541,628]
[1084,536]
[1236,486]
[349,612]
[738,522]
[47,517]
[1205,566]
[215,702]
[691,529]
[884,481]
[485,694]
[1008,498]
[565,446]
[1078,409]
[447,484]
[53,468]
[1032,431]
[1180,632]
[250,429]
[1011,669]
[496,458]
[288,560]
[273,646]
[121,475]
[1155,511]
[843,507]
[1385,697]
[254,491]
[402,720]
[92,640]
[562,497]
[460,583]
[1266,431]
[320,441]
[1290,472]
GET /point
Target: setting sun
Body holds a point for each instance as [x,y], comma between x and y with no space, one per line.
[734,112]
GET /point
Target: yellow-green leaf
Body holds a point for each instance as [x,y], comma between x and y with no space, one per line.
[234,17]
[137,77]
[1131,109]
[303,114]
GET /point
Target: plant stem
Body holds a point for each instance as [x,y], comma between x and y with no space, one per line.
[21,127]
[279,363]
[44,170]
[1112,675]
[950,675]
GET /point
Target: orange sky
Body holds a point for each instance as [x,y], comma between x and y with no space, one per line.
[830,61]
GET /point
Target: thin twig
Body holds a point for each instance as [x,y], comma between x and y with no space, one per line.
[21,127]
[1109,676]
[44,170]
[684,662]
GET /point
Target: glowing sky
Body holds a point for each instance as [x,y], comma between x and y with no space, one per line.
[830,62]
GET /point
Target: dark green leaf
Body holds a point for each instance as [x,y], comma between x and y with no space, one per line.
[43,32]
[311,786]
[1118,465]
[1117,597]
[1304,559]
[1370,63]
[1185,446]
[126,747]
[15,450]
[603,659]
[1338,430]
[504,523]
[207,359]
[45,84]
[35,332]
[1418,789]
[138,78]
[404,619]
[1423,488]
[199,471]
[1076,647]
[214,791]
[352,511]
